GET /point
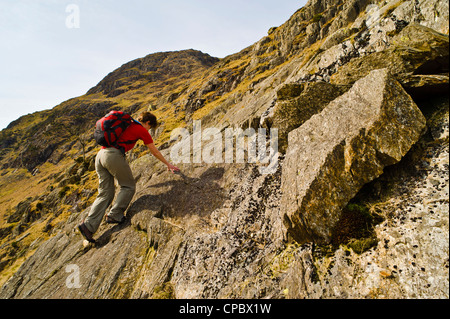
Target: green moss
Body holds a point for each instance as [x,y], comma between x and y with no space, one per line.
[282,261]
[355,228]
[290,91]
[164,291]
[361,245]
[317,18]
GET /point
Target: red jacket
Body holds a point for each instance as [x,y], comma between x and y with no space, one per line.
[132,134]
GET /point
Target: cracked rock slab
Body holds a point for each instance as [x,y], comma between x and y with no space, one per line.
[332,155]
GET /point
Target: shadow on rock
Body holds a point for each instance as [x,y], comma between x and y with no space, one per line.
[183,195]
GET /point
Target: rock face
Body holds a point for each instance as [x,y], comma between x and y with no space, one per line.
[411,258]
[295,107]
[336,152]
[359,93]
[416,49]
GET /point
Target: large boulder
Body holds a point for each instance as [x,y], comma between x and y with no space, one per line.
[332,155]
[296,103]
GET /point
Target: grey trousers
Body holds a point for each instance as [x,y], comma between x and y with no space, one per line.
[111,164]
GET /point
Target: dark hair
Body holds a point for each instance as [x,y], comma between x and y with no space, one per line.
[148,117]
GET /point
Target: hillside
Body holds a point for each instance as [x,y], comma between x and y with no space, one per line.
[356,205]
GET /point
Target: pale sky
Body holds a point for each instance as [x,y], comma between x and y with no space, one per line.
[54,50]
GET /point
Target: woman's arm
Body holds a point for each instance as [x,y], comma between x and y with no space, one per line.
[156,153]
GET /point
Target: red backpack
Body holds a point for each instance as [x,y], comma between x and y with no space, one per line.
[110,127]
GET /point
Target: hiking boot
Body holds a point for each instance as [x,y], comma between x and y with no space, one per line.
[110,220]
[86,233]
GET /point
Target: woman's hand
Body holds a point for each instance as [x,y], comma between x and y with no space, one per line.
[172,168]
[159,156]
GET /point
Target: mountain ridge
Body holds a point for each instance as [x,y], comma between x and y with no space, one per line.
[157,66]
